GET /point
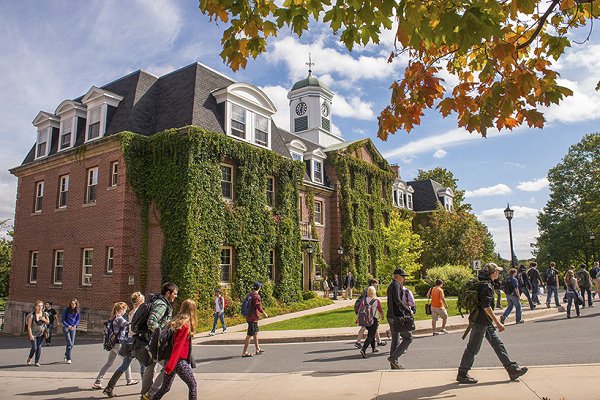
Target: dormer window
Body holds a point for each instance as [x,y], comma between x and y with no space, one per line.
[93,128]
[318,171]
[98,102]
[71,114]
[42,143]
[66,130]
[448,203]
[238,121]
[409,201]
[297,157]
[261,130]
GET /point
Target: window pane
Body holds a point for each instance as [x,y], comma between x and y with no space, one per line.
[94,130]
[261,131]
[238,121]
[94,115]
[297,157]
[226,185]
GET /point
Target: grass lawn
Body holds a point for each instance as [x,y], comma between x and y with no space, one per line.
[345,317]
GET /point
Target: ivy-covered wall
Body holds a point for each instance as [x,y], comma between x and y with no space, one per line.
[179,171]
[353,169]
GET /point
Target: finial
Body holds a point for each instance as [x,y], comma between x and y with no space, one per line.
[310,64]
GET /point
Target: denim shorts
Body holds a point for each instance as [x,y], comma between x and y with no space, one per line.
[252,328]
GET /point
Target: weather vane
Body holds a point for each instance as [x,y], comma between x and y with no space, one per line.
[310,64]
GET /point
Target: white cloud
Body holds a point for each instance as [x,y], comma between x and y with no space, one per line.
[360,131]
[278,95]
[439,153]
[533,186]
[521,212]
[429,143]
[496,190]
[532,200]
[352,108]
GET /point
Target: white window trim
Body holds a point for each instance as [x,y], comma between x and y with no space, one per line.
[38,208]
[37,259]
[114,176]
[409,201]
[228,199]
[88,185]
[313,169]
[301,156]
[70,109]
[95,98]
[84,276]
[45,121]
[271,265]
[54,280]
[321,213]
[60,133]
[110,259]
[230,264]
[47,142]
[250,124]
[272,202]
[62,179]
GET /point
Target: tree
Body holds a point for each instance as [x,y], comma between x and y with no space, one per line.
[446,178]
[403,246]
[5,257]
[499,51]
[573,210]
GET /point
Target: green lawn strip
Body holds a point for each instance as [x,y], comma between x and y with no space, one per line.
[345,317]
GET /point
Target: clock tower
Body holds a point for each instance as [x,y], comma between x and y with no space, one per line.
[310,111]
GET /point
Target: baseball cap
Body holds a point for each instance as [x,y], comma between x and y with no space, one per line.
[490,268]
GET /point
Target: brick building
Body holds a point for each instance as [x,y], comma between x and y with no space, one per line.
[78,226]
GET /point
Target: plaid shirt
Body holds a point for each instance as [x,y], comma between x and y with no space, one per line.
[160,313]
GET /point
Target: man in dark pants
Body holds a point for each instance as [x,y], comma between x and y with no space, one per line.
[481,319]
[396,309]
[348,286]
[536,281]
[524,284]
[336,284]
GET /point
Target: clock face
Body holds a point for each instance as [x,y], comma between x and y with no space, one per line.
[324,110]
[301,108]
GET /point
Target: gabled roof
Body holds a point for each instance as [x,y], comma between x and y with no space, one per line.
[425,197]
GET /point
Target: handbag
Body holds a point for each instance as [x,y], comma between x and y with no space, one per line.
[428,309]
[126,350]
[403,324]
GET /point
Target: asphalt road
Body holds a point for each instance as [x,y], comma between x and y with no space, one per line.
[549,341]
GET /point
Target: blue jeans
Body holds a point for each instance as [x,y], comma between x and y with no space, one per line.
[70,338]
[219,316]
[126,360]
[552,289]
[36,347]
[589,295]
[513,300]
[478,332]
[49,338]
[525,291]
[572,297]
[335,292]
[535,289]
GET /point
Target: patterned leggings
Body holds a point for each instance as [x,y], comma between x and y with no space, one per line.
[185,373]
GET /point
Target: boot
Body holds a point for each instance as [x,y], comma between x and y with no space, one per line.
[111,384]
[463,377]
[515,373]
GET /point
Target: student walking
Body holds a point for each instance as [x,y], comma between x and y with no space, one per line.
[36,326]
[70,320]
[497,284]
[513,296]
[551,277]
[536,281]
[137,299]
[348,286]
[585,284]
[219,312]
[119,327]
[572,292]
[252,321]
[374,284]
[438,306]
[325,287]
[482,319]
[596,279]
[336,284]
[524,284]
[370,305]
[181,361]
[52,321]
[396,310]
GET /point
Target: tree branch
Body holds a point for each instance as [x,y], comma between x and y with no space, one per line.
[541,23]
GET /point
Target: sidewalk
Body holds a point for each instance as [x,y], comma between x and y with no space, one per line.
[236,334]
[541,382]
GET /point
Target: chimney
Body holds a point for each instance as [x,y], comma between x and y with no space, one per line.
[396,169]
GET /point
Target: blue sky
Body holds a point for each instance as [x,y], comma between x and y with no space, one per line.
[57,50]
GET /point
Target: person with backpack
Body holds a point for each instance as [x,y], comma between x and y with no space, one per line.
[52,321]
[181,360]
[70,320]
[572,292]
[156,312]
[336,284]
[252,318]
[219,312]
[438,306]
[396,311]
[536,281]
[482,320]
[497,283]
[524,284]
[36,326]
[114,329]
[594,274]
[551,277]
[137,299]
[367,317]
[513,296]
[372,283]
[348,286]
[585,284]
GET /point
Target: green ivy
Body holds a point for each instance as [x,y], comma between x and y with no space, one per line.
[178,171]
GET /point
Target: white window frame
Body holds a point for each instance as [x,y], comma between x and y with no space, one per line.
[93,122]
[45,131]
[230,182]
[257,118]
[242,114]
[110,259]
[271,265]
[448,203]
[270,194]
[33,265]
[297,156]
[91,182]
[63,188]
[39,197]
[317,178]
[226,265]
[318,203]
[86,269]
[114,173]
[409,201]
[55,280]
[64,125]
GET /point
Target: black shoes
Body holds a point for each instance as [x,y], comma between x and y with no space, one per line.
[502,319]
[375,350]
[520,322]
[515,373]
[382,343]
[363,354]
[393,363]
[464,377]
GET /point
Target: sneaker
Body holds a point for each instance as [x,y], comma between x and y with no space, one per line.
[516,373]
[443,330]
[97,386]
[357,345]
[29,361]
[547,305]
[224,330]
[435,333]
[132,382]
[520,322]
[211,334]
[145,396]
[533,307]
[502,319]
[375,350]
[382,343]
[393,363]
[465,378]
[363,354]
[69,362]
[37,365]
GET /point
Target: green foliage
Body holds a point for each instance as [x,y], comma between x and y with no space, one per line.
[403,246]
[454,277]
[5,258]
[446,178]
[308,294]
[468,296]
[178,171]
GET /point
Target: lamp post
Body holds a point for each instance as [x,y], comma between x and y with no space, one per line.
[508,213]
[592,238]
[548,255]
[341,253]
[309,250]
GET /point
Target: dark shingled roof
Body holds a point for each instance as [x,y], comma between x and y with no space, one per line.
[425,197]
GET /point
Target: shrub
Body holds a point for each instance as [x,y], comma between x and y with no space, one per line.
[421,288]
[454,276]
[309,294]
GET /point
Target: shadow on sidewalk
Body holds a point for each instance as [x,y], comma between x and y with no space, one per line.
[430,392]
[55,393]
[354,356]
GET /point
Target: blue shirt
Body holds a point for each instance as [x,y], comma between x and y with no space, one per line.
[70,318]
[513,284]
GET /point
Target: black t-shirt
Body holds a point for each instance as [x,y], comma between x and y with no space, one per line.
[51,313]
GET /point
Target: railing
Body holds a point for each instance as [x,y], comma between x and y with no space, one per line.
[306,229]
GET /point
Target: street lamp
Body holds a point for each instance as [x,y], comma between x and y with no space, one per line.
[592,238]
[309,250]
[548,255]
[341,253]
[508,213]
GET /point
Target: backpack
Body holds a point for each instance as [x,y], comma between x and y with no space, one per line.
[358,302]
[366,316]
[247,305]
[594,273]
[109,336]
[161,343]
[506,286]
[139,324]
[468,296]
[520,279]
[550,277]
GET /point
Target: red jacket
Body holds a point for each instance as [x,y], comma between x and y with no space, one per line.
[256,309]
[181,348]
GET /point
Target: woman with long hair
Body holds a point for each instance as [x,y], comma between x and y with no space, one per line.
[70,319]
[181,360]
[118,310]
[137,299]
[36,326]
[572,292]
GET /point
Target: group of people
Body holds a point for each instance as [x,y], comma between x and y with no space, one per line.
[335,284]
